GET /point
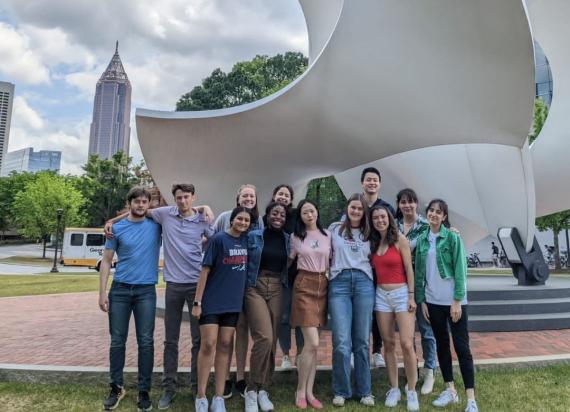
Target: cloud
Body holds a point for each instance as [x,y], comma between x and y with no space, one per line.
[24,116]
[19,62]
[166,51]
[73,144]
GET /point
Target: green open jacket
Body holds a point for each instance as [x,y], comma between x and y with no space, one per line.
[451,262]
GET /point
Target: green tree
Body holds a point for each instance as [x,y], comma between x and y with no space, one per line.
[34,208]
[328,196]
[9,187]
[105,185]
[539,117]
[556,222]
[248,81]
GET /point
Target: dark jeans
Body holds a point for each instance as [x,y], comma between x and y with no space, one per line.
[376,338]
[285,327]
[177,294]
[141,301]
[440,319]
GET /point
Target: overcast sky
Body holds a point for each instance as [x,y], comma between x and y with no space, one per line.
[55,50]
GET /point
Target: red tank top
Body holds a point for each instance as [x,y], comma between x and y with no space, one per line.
[389,267]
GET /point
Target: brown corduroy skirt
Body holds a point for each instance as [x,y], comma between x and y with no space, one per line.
[309,302]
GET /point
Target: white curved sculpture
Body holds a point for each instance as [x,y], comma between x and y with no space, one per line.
[551,151]
[386,77]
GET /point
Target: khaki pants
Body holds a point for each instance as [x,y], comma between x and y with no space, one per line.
[263,309]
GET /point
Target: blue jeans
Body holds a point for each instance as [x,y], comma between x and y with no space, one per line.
[285,327]
[141,301]
[351,299]
[428,340]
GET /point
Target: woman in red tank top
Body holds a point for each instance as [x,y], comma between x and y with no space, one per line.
[395,303]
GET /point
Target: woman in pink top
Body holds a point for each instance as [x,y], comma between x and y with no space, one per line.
[311,245]
[395,303]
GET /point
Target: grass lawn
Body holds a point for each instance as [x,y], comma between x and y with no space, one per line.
[48,283]
[28,261]
[540,389]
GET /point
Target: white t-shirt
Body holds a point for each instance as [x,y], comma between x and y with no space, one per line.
[439,291]
[349,254]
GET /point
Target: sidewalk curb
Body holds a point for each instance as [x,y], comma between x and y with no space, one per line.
[52,374]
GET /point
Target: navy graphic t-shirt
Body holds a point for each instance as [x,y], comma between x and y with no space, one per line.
[227,257]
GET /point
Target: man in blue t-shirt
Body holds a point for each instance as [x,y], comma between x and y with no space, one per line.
[136,240]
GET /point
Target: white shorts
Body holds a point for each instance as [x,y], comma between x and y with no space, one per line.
[391,301]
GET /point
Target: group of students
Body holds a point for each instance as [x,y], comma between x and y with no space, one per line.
[258,271]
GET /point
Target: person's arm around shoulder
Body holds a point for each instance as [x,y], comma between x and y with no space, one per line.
[104,271]
[404,247]
[207,212]
[293,250]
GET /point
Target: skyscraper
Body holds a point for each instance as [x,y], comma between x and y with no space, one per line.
[111,125]
[6,100]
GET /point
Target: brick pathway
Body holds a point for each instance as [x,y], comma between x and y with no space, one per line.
[69,329]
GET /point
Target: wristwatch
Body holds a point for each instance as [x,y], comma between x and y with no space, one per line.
[197,303]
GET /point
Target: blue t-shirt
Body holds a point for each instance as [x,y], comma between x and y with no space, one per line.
[227,258]
[137,245]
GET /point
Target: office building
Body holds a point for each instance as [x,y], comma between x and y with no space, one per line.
[6,101]
[26,160]
[110,127]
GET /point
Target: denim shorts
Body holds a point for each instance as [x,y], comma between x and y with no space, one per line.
[391,300]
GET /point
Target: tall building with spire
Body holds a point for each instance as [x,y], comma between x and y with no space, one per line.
[6,101]
[111,125]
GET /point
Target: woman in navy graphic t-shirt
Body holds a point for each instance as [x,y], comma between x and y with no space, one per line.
[219,301]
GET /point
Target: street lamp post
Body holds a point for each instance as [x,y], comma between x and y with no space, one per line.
[59,215]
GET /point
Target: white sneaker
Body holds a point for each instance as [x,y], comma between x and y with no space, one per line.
[367,400]
[263,401]
[218,404]
[201,404]
[445,398]
[393,396]
[286,362]
[471,406]
[378,360]
[251,401]
[429,380]
[413,403]
[338,400]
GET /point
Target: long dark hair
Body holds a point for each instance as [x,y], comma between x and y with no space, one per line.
[364,226]
[407,194]
[290,189]
[254,211]
[391,235]
[443,206]
[300,228]
[272,206]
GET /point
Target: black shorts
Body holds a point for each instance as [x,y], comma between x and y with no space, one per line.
[223,320]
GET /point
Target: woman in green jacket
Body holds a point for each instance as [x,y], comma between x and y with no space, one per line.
[441,278]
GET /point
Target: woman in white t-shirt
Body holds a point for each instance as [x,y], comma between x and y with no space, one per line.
[350,303]
[311,245]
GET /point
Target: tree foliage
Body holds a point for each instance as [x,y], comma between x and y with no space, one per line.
[9,187]
[34,208]
[248,81]
[328,196]
[539,117]
[105,185]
